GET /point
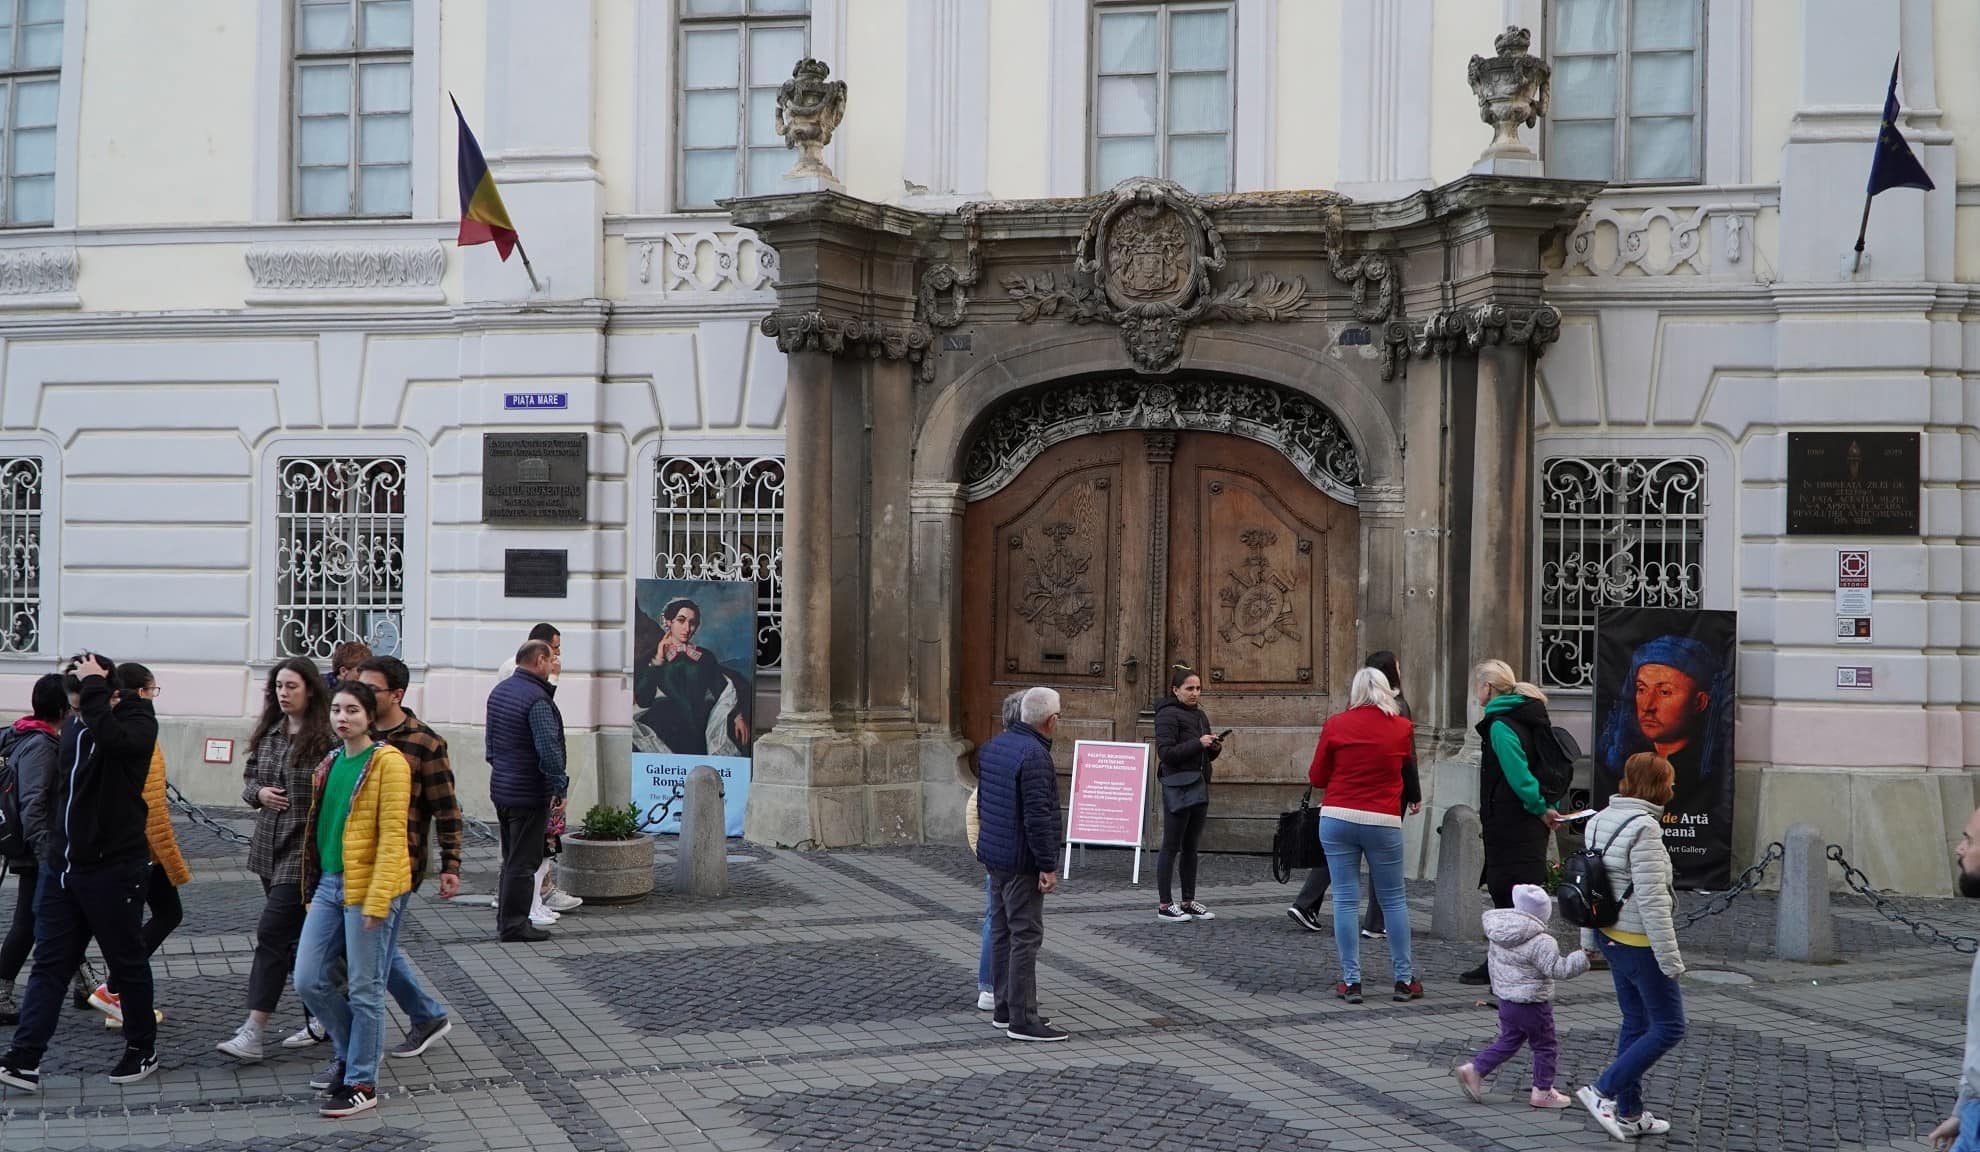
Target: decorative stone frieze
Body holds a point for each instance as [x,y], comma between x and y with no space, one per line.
[38,278]
[1454,330]
[813,331]
[693,259]
[346,273]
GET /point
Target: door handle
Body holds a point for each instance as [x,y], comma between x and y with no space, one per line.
[1132,667]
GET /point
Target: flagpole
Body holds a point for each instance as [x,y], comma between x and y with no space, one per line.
[535,287]
[1855,265]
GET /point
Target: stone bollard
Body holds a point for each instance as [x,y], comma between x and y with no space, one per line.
[1460,860]
[1805,929]
[701,862]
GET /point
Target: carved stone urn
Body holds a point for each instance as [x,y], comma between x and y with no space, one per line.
[809,108]
[1512,89]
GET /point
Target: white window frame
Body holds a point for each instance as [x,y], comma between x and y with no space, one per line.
[1164,11]
[48,453]
[10,79]
[274,117]
[413,625]
[744,22]
[1703,21]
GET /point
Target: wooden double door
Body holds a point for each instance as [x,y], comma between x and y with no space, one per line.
[1112,557]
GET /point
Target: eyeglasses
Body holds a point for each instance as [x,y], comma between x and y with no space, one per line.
[152,692]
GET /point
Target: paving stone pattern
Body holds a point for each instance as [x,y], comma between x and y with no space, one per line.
[378,1140]
[1142,1107]
[200,1011]
[1271,954]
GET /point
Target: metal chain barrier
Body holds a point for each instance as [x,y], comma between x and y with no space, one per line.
[197,815]
[1889,910]
[1740,887]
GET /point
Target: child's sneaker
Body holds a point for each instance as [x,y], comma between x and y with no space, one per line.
[1472,1083]
[1548,1098]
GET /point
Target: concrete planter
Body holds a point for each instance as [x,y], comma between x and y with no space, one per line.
[606,871]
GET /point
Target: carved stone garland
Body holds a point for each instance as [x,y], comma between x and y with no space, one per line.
[1297,427]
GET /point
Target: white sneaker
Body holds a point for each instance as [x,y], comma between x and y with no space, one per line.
[245,1044]
[308,1036]
[1644,1125]
[1603,1110]
[543,919]
[986,1001]
[558,900]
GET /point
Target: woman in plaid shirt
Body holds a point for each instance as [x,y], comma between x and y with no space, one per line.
[291,739]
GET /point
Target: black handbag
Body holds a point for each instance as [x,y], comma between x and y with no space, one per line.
[1296,844]
[1182,790]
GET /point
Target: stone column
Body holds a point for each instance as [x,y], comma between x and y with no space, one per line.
[1379,508]
[1501,537]
[886,729]
[937,508]
[807,703]
[1161,450]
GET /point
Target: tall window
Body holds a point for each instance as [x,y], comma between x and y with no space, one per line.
[1162,101]
[20,554]
[353,100]
[340,543]
[1626,90]
[734,54]
[722,518]
[30,82]
[1615,532]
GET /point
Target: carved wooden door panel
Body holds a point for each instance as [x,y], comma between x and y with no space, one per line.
[1055,586]
[1262,585]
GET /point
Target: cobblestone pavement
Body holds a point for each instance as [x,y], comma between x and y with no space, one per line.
[829,1004]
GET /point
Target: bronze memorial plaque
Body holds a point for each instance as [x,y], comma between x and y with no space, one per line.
[536,573]
[533,477]
[1852,484]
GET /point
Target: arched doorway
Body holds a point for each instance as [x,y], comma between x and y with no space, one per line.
[1116,530]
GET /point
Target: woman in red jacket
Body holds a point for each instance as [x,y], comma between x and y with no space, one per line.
[1359,767]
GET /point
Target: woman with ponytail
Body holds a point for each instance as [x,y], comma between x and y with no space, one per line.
[1516,818]
[1184,748]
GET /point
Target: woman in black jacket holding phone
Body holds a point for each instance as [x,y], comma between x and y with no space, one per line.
[1184,748]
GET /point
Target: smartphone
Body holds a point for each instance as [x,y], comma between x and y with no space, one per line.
[1225,734]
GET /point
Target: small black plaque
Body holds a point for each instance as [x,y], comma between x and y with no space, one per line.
[955,342]
[1852,484]
[536,573]
[533,477]
[1354,336]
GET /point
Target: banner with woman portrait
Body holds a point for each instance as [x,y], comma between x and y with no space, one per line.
[693,683]
[1664,683]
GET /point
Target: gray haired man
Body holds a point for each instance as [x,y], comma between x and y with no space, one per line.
[1018,840]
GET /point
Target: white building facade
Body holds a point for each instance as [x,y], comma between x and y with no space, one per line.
[245,374]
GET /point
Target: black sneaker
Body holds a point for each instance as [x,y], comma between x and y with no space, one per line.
[420,1037]
[1041,1032]
[527,934]
[349,1100]
[136,1065]
[14,1075]
[1171,914]
[1478,977]
[1407,990]
[1003,1023]
[331,1079]
[1348,992]
[1303,918]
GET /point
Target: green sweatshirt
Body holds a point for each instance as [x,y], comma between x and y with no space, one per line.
[1512,755]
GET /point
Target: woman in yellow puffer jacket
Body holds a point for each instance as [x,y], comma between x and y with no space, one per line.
[168,867]
[358,874]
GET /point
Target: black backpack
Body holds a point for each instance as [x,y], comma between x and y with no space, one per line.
[1587,897]
[1554,753]
[13,832]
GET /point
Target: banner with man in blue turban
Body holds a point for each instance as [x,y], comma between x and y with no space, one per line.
[1664,683]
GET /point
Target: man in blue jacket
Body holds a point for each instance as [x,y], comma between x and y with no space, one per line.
[526,779]
[1017,807]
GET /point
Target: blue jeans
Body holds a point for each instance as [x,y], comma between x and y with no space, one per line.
[1969,1127]
[419,1005]
[984,972]
[1652,1022]
[354,1015]
[1347,844]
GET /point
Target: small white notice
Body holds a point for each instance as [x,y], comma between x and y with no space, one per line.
[1852,629]
[1852,581]
[1854,676]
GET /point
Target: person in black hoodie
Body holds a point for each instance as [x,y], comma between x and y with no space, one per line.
[29,748]
[1184,748]
[96,870]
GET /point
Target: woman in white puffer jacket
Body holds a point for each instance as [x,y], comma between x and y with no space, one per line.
[1641,946]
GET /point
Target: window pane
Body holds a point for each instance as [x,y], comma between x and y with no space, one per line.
[779,6]
[1116,160]
[6,45]
[708,119]
[34,104]
[43,12]
[1584,86]
[324,88]
[1127,42]
[387,24]
[41,46]
[713,7]
[33,200]
[6,96]
[1584,25]
[713,56]
[325,27]
[1663,24]
[773,53]
[1582,150]
[324,140]
[385,139]
[1127,105]
[385,191]
[707,177]
[34,152]
[762,119]
[1200,40]
[767,167]
[325,191]
[1199,102]
[1200,163]
[1660,83]
[385,88]
[1660,148]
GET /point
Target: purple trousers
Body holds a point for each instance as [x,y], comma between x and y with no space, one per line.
[1523,1024]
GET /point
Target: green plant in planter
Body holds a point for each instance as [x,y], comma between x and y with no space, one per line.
[605,823]
[1553,876]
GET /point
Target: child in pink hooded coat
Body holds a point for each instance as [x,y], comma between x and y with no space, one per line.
[1525,961]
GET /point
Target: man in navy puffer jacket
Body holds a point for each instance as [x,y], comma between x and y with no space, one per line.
[1017,805]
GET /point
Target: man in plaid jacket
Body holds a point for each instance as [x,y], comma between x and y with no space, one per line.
[433,802]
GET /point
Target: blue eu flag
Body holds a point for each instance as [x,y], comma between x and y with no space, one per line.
[1894,166]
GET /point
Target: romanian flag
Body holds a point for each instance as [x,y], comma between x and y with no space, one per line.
[483,218]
